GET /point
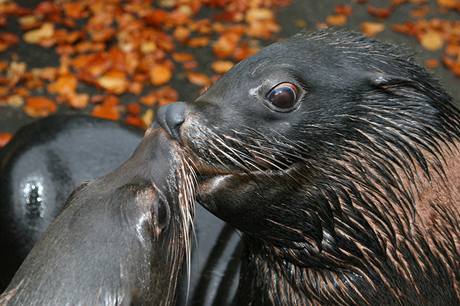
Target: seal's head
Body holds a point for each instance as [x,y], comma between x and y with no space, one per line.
[332,153]
[120,239]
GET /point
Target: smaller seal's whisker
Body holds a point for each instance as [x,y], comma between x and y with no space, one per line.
[186,201]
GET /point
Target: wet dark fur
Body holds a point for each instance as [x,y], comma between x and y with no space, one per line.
[40,167]
[327,195]
[120,240]
[48,158]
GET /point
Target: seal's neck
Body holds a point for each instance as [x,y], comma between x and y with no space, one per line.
[264,280]
[390,256]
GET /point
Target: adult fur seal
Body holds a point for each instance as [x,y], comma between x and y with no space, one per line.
[120,240]
[40,167]
[338,157]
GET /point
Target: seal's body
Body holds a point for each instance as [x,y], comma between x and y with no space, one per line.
[41,166]
[339,158]
[120,239]
[50,157]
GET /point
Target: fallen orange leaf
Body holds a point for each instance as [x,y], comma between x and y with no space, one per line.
[44,32]
[379,12]
[431,40]
[160,74]
[78,101]
[372,28]
[198,42]
[39,106]
[5,138]
[135,121]
[199,79]
[108,109]
[182,57]
[114,81]
[343,9]
[221,66]
[336,20]
[64,85]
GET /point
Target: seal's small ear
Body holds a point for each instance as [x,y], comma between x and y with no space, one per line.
[383,80]
[400,85]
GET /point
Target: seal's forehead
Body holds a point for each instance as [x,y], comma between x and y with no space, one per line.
[299,50]
[272,55]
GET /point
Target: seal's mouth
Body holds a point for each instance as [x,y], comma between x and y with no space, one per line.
[210,174]
[207,172]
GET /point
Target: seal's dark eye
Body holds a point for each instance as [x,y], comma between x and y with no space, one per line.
[283,96]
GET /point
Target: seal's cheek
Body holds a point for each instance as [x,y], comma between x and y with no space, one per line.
[233,199]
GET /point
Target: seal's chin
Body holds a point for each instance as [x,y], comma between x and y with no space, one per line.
[212,184]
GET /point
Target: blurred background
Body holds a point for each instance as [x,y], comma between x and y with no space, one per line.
[120,60]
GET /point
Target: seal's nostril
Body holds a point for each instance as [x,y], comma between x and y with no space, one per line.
[171,117]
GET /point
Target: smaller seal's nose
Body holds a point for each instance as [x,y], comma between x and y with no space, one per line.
[170,117]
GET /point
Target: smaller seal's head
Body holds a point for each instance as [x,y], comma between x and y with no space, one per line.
[120,239]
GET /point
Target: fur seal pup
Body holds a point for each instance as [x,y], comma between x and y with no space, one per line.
[40,167]
[338,158]
[50,157]
[120,239]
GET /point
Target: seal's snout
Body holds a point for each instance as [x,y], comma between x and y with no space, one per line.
[170,117]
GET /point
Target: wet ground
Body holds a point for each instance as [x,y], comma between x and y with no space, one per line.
[291,18]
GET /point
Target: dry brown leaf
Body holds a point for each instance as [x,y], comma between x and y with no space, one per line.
[39,107]
[344,9]
[135,88]
[46,31]
[259,14]
[221,66]
[15,101]
[133,108]
[64,85]
[336,20]
[7,40]
[135,121]
[147,117]
[431,40]
[182,57]
[108,109]
[150,99]
[379,12]
[78,101]
[372,28]
[166,95]
[114,81]
[263,29]
[5,138]
[198,78]
[181,34]
[226,44]
[198,42]
[160,74]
